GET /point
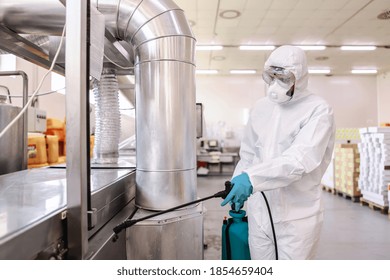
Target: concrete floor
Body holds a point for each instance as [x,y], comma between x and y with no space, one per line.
[350,231]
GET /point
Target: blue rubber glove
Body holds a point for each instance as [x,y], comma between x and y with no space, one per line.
[242,189]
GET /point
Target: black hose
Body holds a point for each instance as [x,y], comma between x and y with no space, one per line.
[129,222]
[272,225]
[133,213]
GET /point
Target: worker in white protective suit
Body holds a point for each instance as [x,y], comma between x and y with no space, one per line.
[285,150]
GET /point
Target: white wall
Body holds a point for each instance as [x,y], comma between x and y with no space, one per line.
[225,99]
[383,87]
[353,98]
[53,104]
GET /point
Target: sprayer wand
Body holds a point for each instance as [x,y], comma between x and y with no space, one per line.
[129,223]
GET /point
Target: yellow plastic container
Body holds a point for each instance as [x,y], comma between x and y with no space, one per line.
[92,144]
[52,149]
[36,148]
[61,148]
[62,159]
[30,166]
[60,133]
[54,124]
[56,127]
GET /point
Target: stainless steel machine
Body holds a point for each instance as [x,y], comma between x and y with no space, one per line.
[13,155]
[70,213]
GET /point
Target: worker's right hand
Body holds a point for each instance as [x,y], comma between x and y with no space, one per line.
[242,189]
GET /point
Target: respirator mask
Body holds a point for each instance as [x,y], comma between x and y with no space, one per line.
[280,83]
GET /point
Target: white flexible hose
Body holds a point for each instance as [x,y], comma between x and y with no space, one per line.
[107,117]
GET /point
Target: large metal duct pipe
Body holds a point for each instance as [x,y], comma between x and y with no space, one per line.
[42,17]
[164,48]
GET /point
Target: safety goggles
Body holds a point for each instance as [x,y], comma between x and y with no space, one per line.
[283,76]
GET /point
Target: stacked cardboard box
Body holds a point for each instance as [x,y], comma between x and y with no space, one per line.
[347,169]
[347,134]
[375,164]
[343,136]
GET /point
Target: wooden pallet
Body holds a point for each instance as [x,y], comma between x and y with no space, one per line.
[374,206]
[353,198]
[328,189]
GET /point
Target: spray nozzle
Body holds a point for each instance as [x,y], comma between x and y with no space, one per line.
[223,194]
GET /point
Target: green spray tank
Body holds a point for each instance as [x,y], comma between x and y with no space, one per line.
[235,244]
[235,236]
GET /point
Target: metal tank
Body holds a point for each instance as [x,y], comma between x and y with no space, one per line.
[172,236]
[11,144]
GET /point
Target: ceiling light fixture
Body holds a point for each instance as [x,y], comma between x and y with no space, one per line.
[209,48]
[256,48]
[230,14]
[364,71]
[358,48]
[312,48]
[206,72]
[319,71]
[242,71]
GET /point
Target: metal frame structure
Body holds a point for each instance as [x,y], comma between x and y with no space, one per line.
[158,35]
[77,167]
[86,233]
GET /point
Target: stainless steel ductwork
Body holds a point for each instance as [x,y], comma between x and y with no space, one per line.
[41,17]
[164,49]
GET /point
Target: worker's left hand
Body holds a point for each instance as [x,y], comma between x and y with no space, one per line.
[242,189]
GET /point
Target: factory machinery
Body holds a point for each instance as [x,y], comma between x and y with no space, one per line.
[69,212]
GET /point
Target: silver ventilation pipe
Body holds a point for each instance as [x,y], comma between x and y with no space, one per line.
[41,17]
[41,41]
[164,48]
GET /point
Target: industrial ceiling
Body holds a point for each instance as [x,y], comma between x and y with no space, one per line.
[329,23]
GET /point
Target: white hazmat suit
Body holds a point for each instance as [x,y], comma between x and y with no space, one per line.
[285,151]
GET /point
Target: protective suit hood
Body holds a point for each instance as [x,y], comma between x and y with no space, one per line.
[293,59]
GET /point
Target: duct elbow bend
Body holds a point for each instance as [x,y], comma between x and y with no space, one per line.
[156,30]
